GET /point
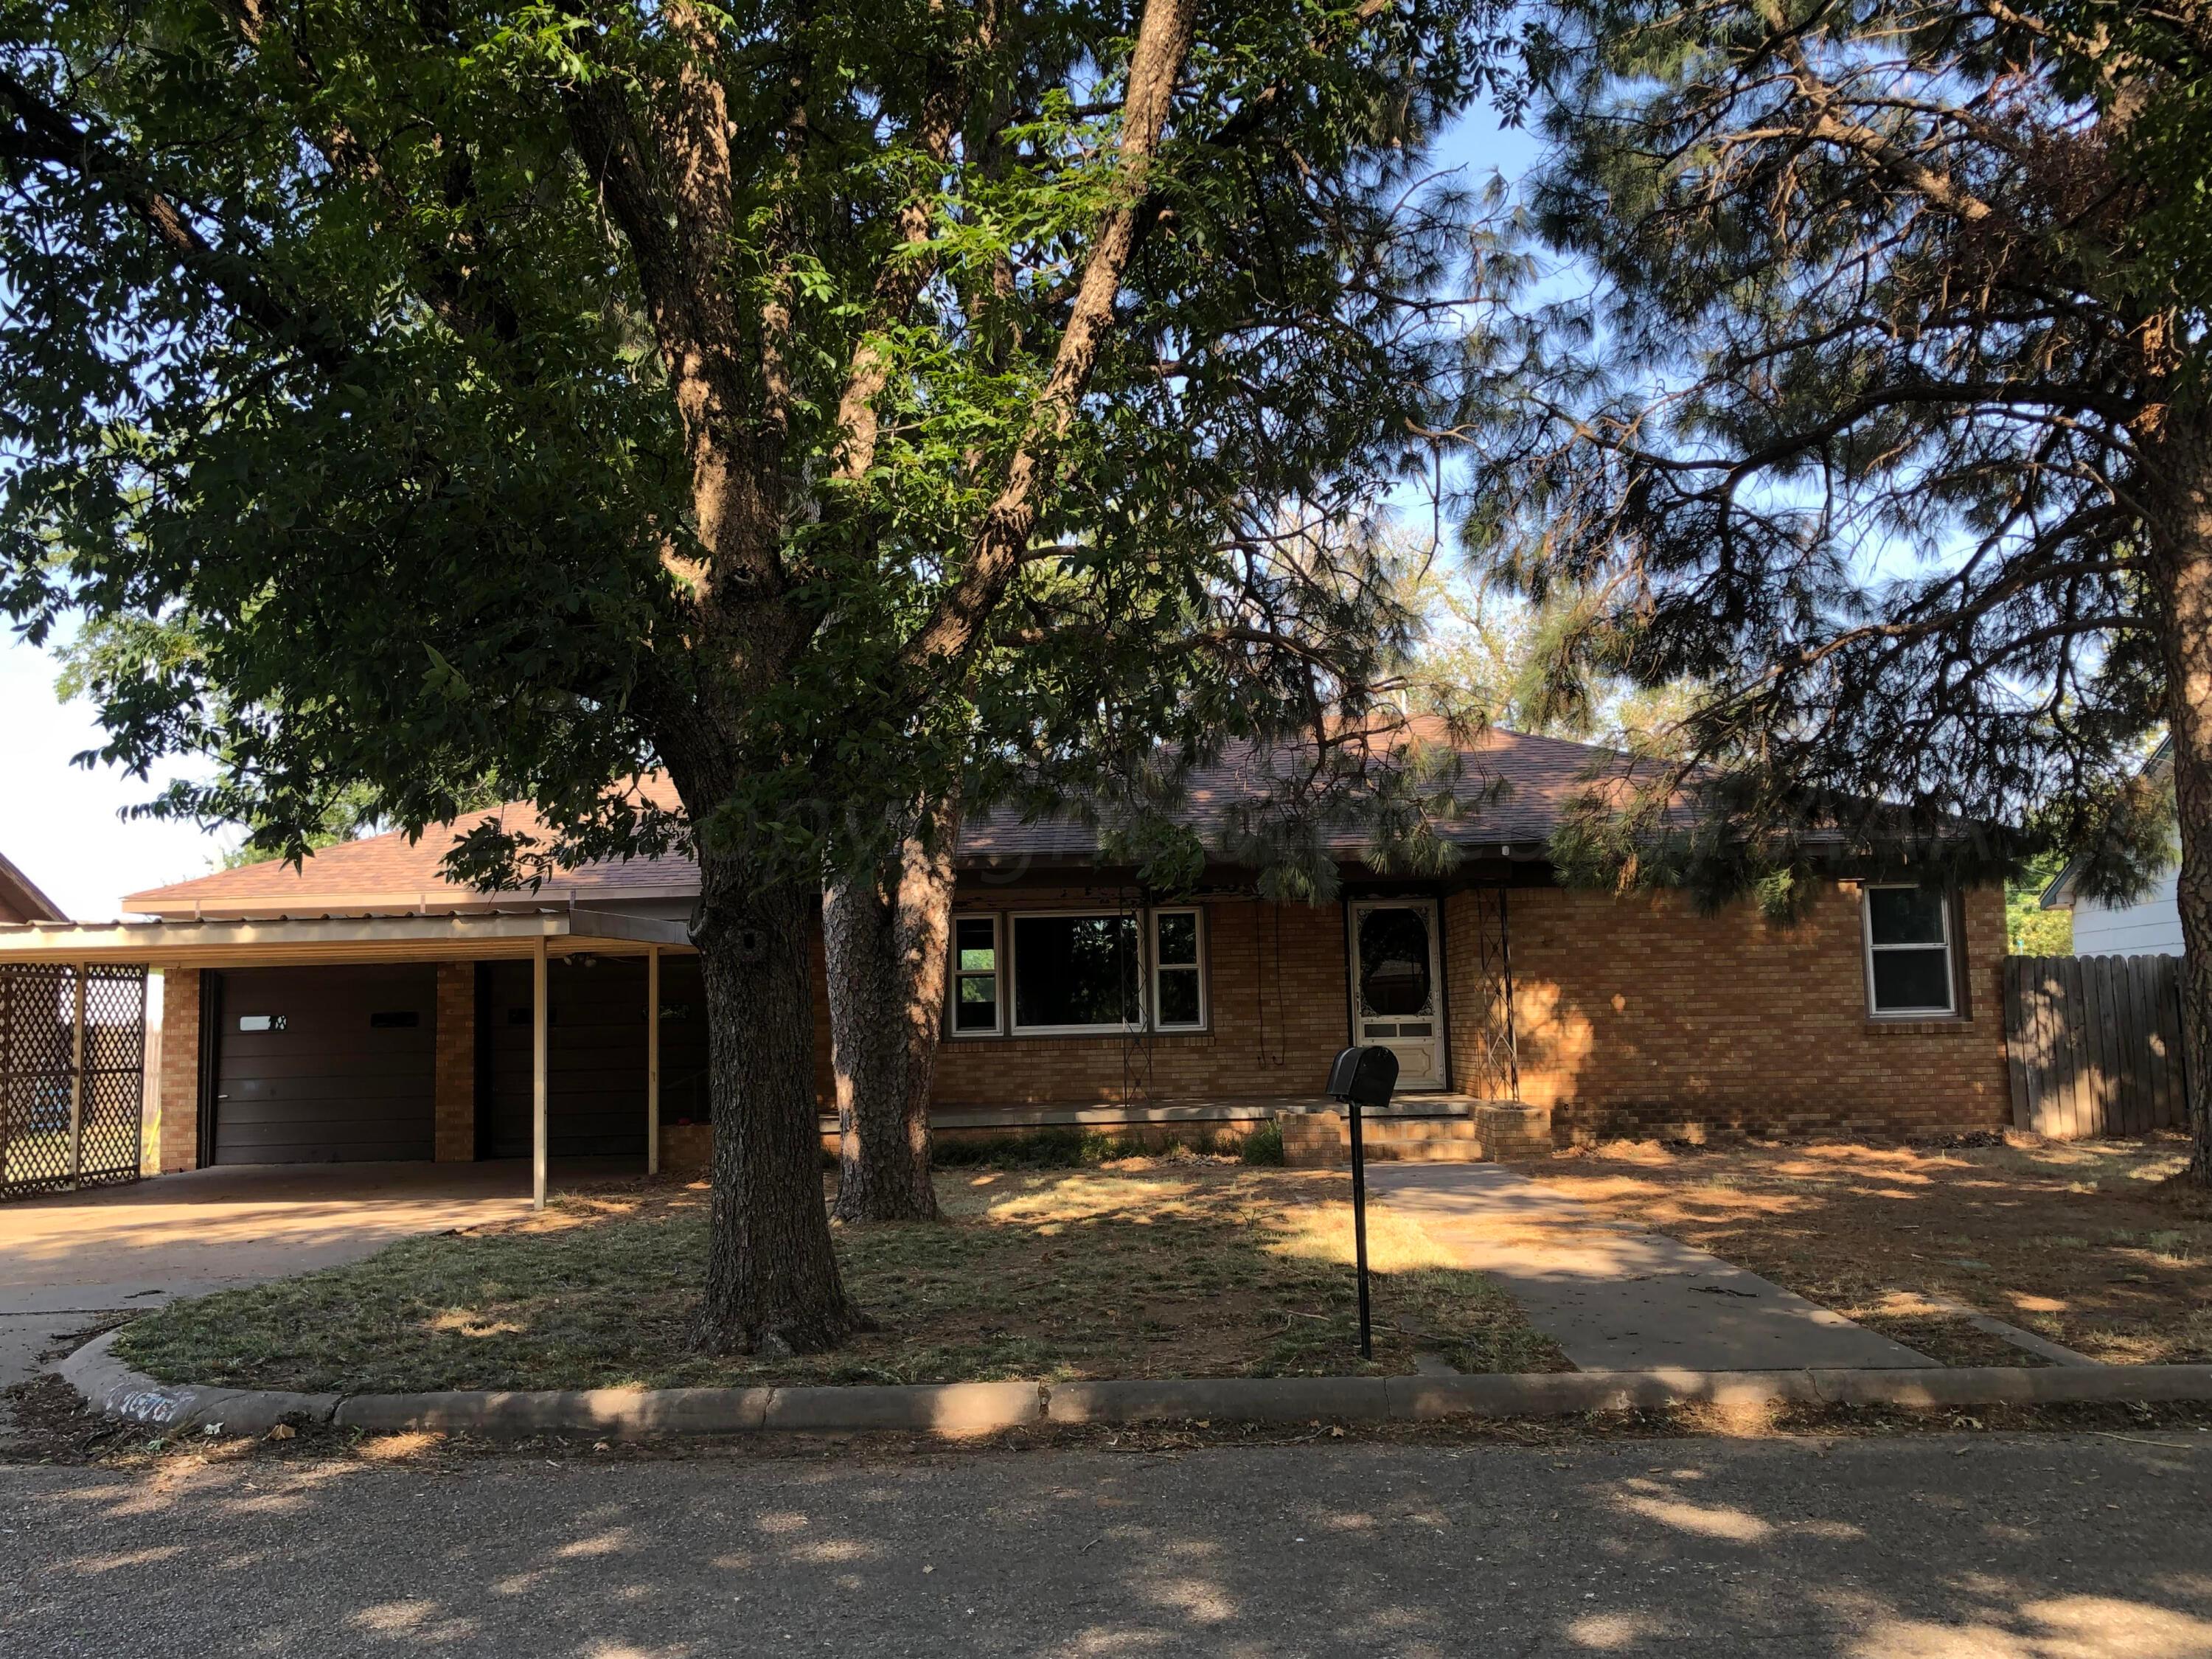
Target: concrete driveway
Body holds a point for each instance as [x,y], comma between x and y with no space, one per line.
[75,1253]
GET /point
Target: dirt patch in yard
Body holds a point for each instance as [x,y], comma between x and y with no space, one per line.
[2087,1243]
[1151,1268]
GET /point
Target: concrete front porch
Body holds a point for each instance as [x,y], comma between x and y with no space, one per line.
[1430,1128]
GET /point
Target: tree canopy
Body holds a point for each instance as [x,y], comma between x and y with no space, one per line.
[337,328]
[777,394]
[1844,416]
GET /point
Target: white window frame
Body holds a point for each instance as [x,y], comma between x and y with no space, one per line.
[997,973]
[1117,1027]
[1867,947]
[1151,944]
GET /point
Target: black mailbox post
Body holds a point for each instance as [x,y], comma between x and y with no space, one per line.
[1362,1077]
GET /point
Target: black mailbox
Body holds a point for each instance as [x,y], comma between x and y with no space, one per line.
[1339,1075]
[1363,1076]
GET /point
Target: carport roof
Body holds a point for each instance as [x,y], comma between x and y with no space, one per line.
[469,935]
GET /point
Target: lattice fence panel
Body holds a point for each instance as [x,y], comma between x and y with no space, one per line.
[1497,1068]
[54,1134]
[114,1074]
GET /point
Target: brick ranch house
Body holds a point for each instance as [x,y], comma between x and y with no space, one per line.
[365,1009]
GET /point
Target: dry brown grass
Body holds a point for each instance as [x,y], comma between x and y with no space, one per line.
[1152,1267]
[2087,1243]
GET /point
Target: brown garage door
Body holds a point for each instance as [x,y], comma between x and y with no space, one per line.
[325,1064]
[594,1057]
[594,1054]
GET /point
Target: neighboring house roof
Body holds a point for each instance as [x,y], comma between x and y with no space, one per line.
[20,899]
[2059,895]
[390,873]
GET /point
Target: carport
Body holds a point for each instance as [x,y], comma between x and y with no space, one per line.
[323,1038]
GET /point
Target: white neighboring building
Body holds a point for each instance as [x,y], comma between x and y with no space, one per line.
[2151,926]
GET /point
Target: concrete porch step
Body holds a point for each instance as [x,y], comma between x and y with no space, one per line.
[1426,1152]
[1473,1132]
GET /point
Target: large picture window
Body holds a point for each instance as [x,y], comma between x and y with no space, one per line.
[1178,971]
[974,975]
[1908,952]
[1077,973]
[1073,973]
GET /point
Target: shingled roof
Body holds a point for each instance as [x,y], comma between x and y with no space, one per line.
[1512,788]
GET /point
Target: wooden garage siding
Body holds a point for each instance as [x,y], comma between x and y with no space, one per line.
[330,1087]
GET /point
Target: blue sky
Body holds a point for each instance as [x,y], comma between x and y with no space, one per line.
[62,823]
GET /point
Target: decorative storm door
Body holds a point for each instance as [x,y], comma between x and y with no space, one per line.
[1397,986]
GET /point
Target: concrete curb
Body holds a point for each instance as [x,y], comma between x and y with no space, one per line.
[964,1410]
[1232,1398]
[113,1389]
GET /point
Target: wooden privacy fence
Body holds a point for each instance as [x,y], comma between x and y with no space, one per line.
[2094,1044]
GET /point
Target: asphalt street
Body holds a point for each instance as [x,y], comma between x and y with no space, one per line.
[1921,1547]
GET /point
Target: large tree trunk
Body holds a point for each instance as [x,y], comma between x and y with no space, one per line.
[886,931]
[772,1280]
[2181,537]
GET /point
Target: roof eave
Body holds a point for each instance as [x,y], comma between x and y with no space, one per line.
[248,907]
[339,939]
[22,894]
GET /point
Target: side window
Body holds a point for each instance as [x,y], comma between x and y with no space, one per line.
[1178,971]
[974,975]
[1909,968]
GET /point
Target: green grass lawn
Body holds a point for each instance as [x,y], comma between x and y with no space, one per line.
[1173,1269]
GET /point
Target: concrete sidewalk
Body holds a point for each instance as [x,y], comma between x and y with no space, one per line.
[1622,1298]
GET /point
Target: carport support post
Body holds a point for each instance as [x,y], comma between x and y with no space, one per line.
[653,1059]
[76,1082]
[537,1068]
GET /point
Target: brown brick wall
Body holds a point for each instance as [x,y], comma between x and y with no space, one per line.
[456,1075]
[180,1085]
[1638,1014]
[1634,1015]
[1276,1001]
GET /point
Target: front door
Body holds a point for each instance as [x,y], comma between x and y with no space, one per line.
[1397,986]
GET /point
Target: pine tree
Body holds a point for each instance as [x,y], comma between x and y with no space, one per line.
[1869,400]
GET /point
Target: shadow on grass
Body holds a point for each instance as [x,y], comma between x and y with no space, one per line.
[2083,1242]
[1166,1271]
